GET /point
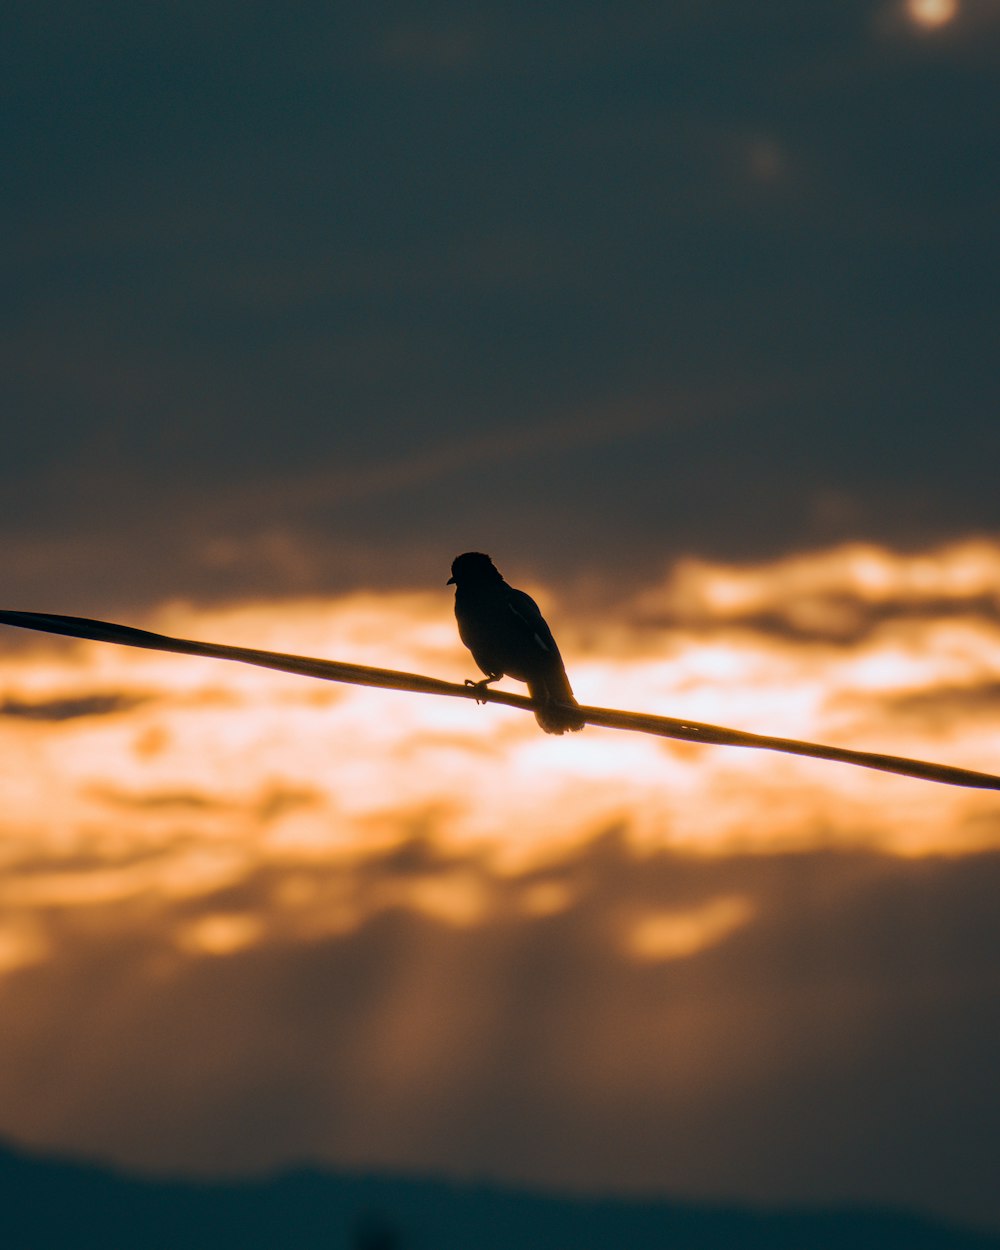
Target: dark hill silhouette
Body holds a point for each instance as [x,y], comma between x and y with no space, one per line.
[49,1204]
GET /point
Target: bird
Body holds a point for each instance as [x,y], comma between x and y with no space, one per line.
[507,635]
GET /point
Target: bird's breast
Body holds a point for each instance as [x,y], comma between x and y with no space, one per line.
[500,640]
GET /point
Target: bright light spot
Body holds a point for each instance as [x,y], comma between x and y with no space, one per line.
[932,13]
[220,934]
[678,934]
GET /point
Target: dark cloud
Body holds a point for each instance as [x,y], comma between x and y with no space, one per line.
[275,801]
[834,616]
[71,709]
[948,705]
[248,252]
[837,1046]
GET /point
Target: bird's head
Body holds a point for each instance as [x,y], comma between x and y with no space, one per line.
[472,567]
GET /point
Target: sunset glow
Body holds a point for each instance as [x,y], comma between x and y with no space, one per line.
[206,770]
[684,314]
[170,823]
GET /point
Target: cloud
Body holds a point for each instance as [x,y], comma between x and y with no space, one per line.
[70,709]
[854,646]
[847,596]
[536,1047]
[271,804]
[433,50]
[249,919]
[369,342]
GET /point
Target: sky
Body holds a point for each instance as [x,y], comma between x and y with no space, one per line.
[687,315]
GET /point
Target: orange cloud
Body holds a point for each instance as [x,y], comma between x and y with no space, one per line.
[250,918]
[111,752]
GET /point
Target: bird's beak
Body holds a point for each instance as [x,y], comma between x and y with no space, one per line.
[450,581]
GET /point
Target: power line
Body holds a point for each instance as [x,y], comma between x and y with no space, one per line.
[391,679]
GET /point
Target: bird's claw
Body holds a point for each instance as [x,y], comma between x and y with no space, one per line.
[478,686]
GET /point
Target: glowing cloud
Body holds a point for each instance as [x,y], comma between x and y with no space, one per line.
[677,934]
[175,775]
[449,919]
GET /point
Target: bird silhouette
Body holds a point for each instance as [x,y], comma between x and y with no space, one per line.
[508,635]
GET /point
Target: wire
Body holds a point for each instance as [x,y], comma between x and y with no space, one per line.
[391,679]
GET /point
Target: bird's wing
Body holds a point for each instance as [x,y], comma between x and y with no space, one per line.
[527,610]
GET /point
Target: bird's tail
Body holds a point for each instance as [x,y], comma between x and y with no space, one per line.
[555,704]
